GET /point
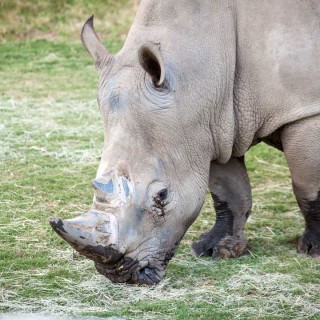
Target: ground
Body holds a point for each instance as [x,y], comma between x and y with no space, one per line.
[50,142]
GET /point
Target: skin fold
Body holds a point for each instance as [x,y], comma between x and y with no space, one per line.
[196,84]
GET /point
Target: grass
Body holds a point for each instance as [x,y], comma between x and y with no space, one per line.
[61,20]
[50,142]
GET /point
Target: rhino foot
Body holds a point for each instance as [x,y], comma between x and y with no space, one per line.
[309,243]
[227,247]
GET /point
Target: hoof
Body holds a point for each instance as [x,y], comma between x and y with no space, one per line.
[202,247]
[309,243]
[227,247]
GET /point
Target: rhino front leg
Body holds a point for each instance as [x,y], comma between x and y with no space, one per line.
[231,193]
[301,145]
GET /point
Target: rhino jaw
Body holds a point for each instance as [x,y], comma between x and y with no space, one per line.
[94,235]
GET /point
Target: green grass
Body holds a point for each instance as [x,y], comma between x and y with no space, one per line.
[50,142]
[62,19]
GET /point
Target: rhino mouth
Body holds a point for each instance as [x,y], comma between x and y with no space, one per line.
[130,271]
[148,271]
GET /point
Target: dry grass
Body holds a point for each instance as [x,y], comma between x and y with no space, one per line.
[48,121]
[40,273]
[45,316]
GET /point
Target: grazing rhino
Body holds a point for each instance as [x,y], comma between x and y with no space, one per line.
[197,83]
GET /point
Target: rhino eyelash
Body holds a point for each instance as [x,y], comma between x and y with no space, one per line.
[160,204]
[159,211]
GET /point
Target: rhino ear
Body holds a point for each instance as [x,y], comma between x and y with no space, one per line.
[151,61]
[93,44]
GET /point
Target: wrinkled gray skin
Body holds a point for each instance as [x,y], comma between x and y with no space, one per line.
[195,85]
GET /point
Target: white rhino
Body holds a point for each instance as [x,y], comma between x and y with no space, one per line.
[196,84]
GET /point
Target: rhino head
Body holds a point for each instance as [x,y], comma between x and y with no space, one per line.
[153,174]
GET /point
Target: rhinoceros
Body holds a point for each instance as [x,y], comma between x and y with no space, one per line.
[196,84]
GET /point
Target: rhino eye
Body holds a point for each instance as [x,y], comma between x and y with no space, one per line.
[160,202]
[162,195]
[160,198]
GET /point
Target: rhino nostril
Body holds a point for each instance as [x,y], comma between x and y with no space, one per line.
[148,276]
